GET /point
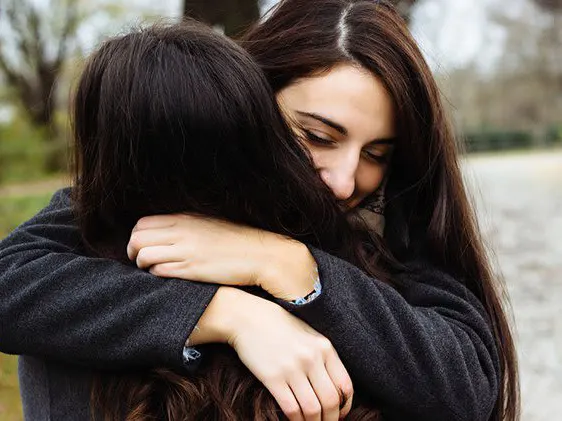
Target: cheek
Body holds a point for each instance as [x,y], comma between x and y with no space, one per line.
[369,178]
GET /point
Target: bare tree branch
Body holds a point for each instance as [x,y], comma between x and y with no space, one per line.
[29,63]
[30,68]
[69,29]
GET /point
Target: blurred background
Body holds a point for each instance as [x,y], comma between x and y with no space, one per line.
[499,65]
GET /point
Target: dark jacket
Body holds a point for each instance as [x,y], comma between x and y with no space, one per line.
[425,354]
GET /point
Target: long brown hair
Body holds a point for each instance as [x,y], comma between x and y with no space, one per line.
[428,214]
[221,389]
[176,118]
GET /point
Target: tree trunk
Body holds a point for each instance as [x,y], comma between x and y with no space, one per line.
[236,15]
[34,72]
[233,16]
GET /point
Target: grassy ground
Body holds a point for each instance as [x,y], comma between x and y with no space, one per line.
[10,405]
[16,205]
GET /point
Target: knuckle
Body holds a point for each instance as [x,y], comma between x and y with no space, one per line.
[135,239]
[325,345]
[307,358]
[275,374]
[346,389]
[331,401]
[291,370]
[271,377]
[290,407]
[157,270]
[143,223]
[312,409]
[143,257]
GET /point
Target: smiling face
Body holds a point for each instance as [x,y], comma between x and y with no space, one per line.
[346,117]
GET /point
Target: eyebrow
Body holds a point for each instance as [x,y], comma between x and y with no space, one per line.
[326,121]
[339,128]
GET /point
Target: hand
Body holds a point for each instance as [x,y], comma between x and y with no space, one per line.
[204,249]
[299,367]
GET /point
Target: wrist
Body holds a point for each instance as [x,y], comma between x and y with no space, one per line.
[289,271]
[218,322]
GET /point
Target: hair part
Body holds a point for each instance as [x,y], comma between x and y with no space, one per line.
[343,32]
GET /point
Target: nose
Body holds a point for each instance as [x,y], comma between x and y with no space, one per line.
[340,179]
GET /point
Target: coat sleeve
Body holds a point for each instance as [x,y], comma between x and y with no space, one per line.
[427,353]
[58,304]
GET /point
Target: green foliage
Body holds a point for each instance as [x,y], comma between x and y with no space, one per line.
[25,150]
[16,209]
[553,135]
[10,404]
[501,139]
[497,140]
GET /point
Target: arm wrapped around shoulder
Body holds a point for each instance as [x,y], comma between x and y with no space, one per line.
[427,353]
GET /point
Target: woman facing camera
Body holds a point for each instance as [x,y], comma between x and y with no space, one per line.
[414,313]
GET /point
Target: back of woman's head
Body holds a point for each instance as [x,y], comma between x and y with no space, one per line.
[222,389]
[177,118]
[428,214]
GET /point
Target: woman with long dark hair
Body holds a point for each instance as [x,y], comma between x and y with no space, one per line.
[434,344]
[179,119]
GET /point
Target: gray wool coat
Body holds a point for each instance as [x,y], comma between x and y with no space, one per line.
[426,353]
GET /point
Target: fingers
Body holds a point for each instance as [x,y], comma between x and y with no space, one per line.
[286,400]
[345,406]
[156,255]
[172,270]
[340,378]
[326,392]
[306,397]
[157,221]
[148,238]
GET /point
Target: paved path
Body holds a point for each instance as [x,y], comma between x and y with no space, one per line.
[520,207]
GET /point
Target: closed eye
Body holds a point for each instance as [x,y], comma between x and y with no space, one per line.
[379,151]
[380,159]
[314,138]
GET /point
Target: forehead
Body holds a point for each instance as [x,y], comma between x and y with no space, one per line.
[349,95]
